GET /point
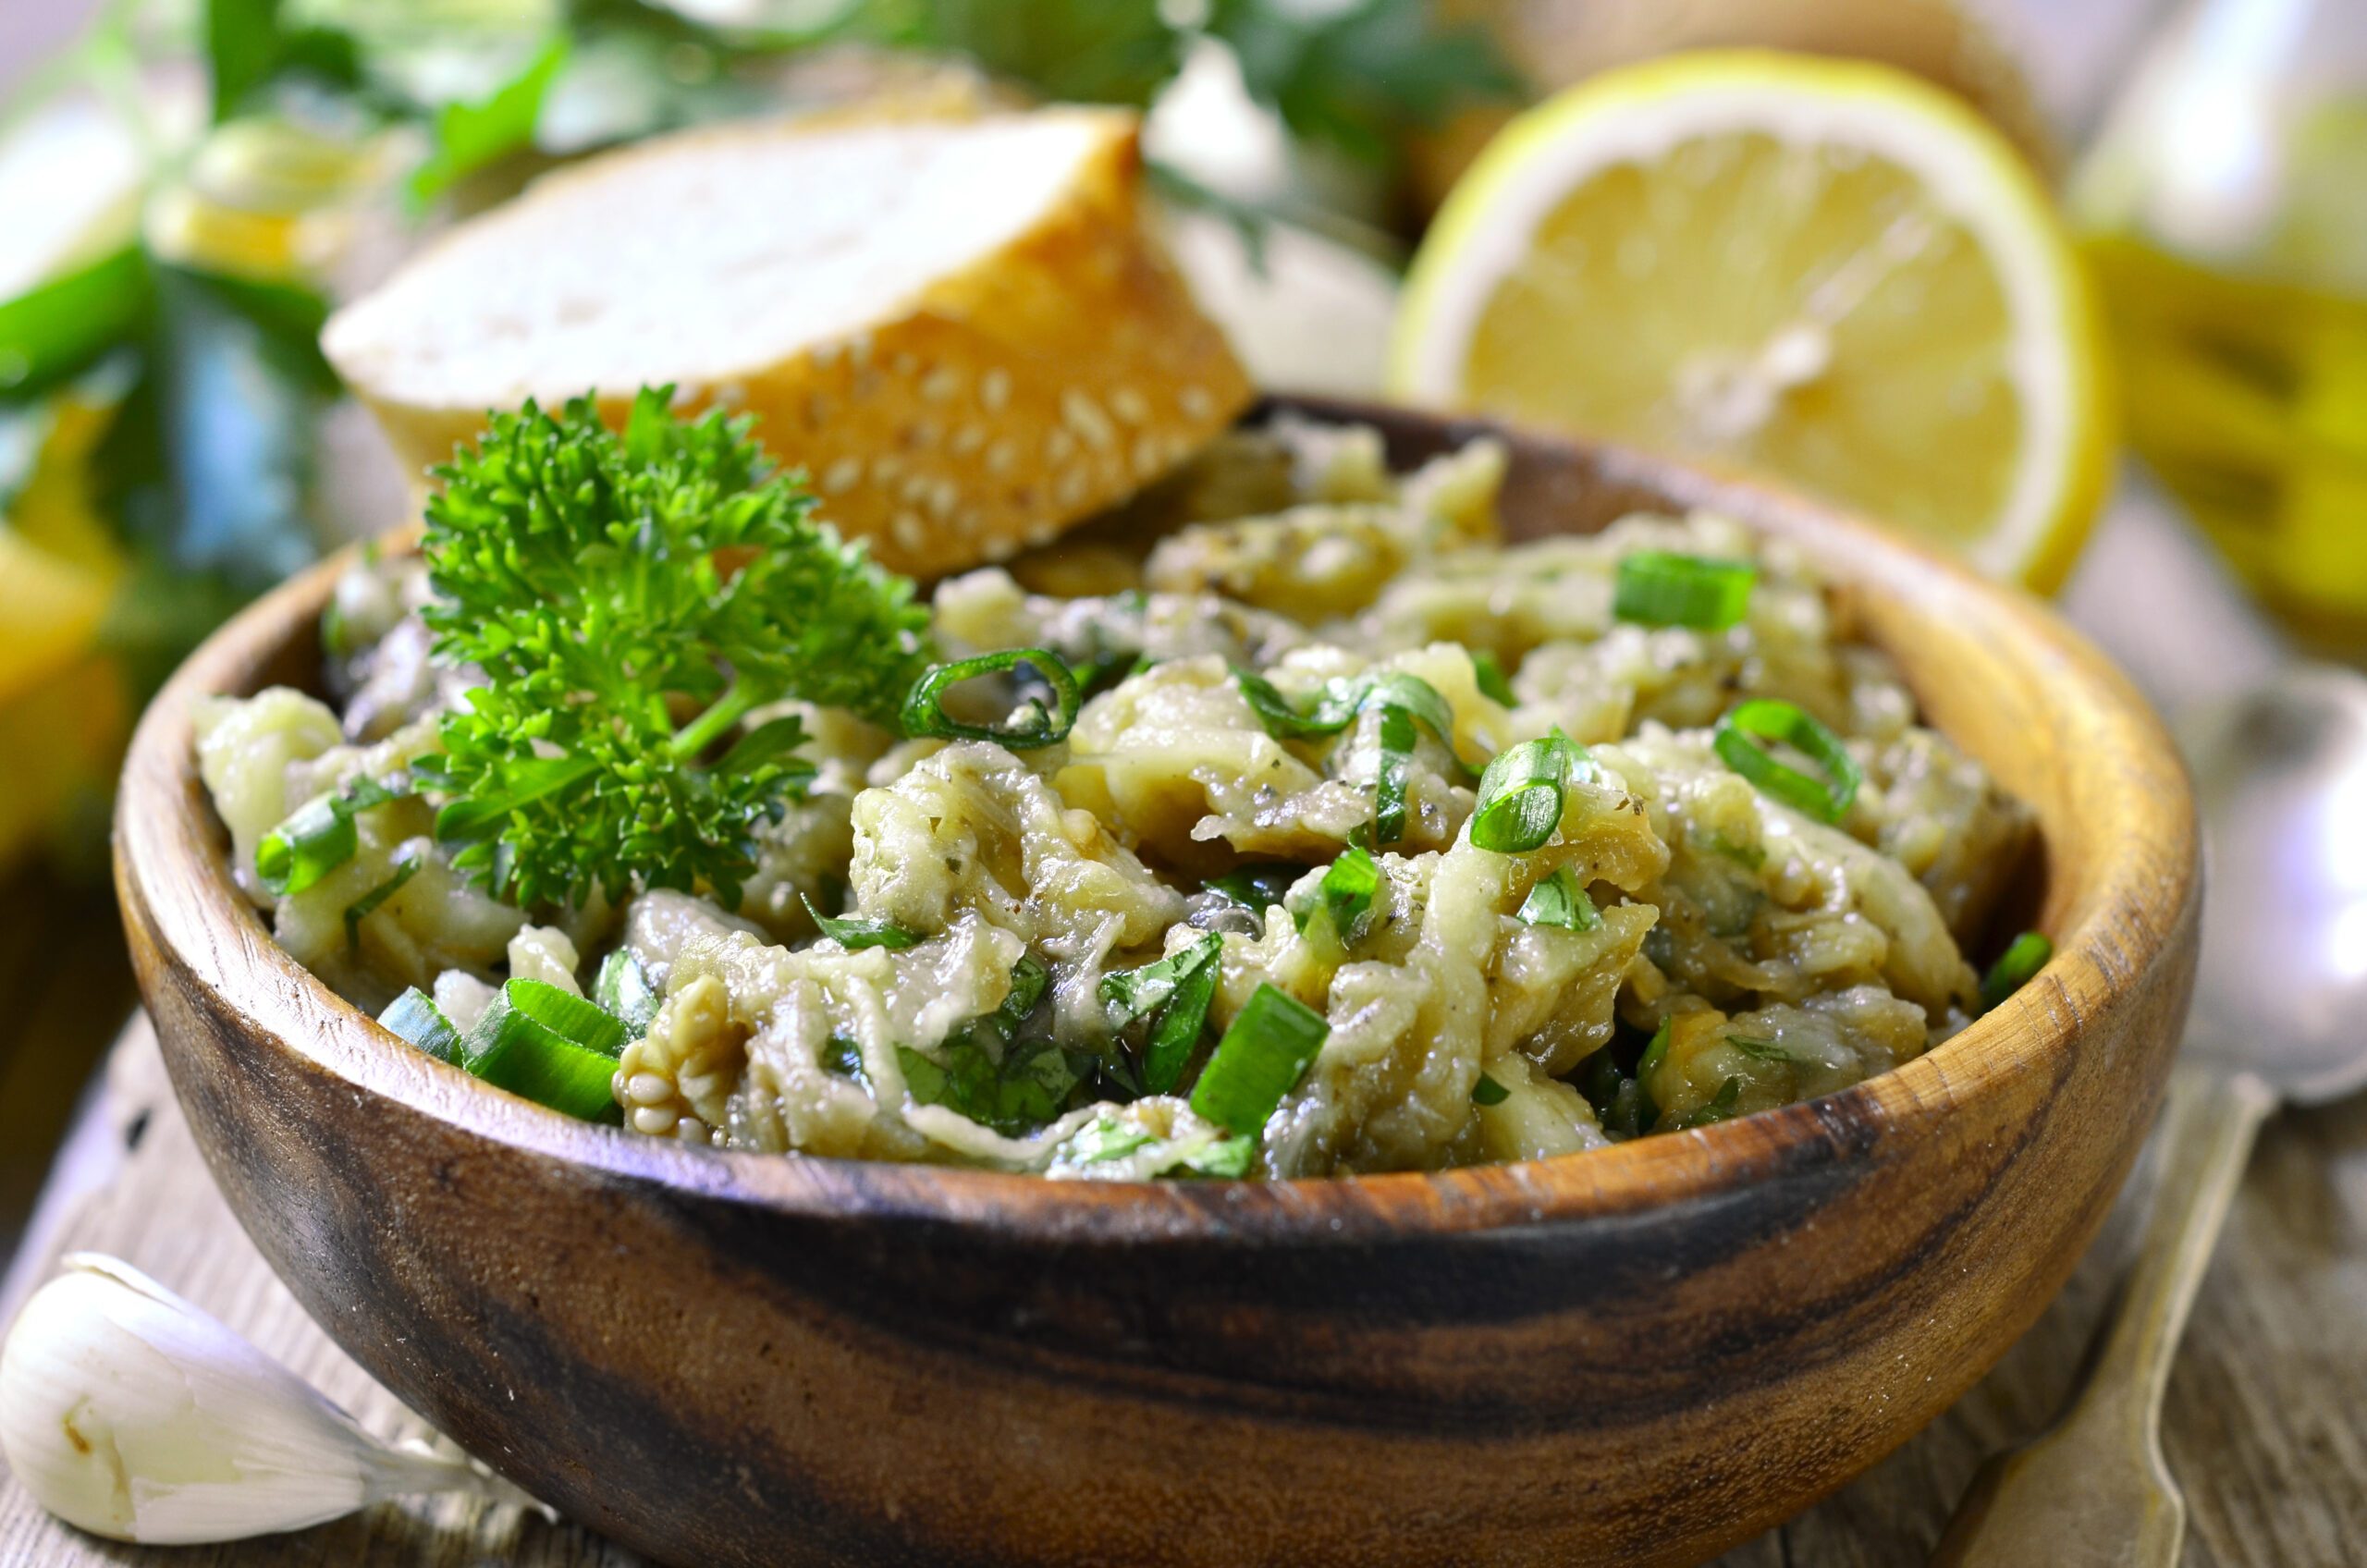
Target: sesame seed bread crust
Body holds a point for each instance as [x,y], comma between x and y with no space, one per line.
[1034,384]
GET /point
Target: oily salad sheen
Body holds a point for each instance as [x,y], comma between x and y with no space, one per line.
[1288,823]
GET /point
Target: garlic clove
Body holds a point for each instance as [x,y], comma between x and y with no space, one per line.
[129,1412]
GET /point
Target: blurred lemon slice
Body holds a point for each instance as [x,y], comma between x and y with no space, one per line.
[1826,271]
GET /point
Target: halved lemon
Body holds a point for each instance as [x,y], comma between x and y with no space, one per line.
[1827,271]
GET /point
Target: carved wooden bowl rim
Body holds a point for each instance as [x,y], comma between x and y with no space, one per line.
[2125,914]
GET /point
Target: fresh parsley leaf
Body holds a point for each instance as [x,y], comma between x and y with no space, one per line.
[1256,885]
[601,579]
[856,935]
[1013,1090]
[1029,980]
[844,1057]
[1174,992]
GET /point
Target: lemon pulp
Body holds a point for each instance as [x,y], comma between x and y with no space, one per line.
[1825,271]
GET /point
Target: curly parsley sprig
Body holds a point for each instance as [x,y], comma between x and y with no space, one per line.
[631,597]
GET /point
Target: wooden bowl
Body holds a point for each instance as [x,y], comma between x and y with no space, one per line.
[1642,1355]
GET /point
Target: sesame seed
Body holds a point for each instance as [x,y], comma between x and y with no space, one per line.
[842,476]
[909,530]
[942,499]
[1071,489]
[941,383]
[1197,403]
[1044,532]
[1000,456]
[1085,416]
[968,438]
[993,390]
[824,355]
[859,350]
[1002,549]
[884,469]
[1058,446]
[905,365]
[1146,454]
[1128,405]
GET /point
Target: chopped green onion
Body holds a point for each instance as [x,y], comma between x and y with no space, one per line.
[548,1045]
[1559,900]
[1032,725]
[415,1017]
[1489,1092]
[1226,1159]
[317,839]
[1759,1050]
[1766,719]
[2025,957]
[1178,988]
[1282,719]
[1720,1107]
[1390,779]
[1413,696]
[1260,1058]
[1662,588]
[1520,795]
[1256,885]
[1105,1139]
[622,988]
[856,935]
[1648,1110]
[1347,892]
[1490,676]
[1402,700]
[367,904]
[1338,703]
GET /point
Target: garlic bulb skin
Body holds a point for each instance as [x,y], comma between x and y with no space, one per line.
[133,1415]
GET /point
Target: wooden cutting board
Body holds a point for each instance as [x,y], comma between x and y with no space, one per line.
[2266,1421]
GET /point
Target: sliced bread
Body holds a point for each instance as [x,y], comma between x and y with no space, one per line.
[960,328]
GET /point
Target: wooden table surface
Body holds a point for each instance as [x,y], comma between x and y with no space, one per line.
[2266,1421]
